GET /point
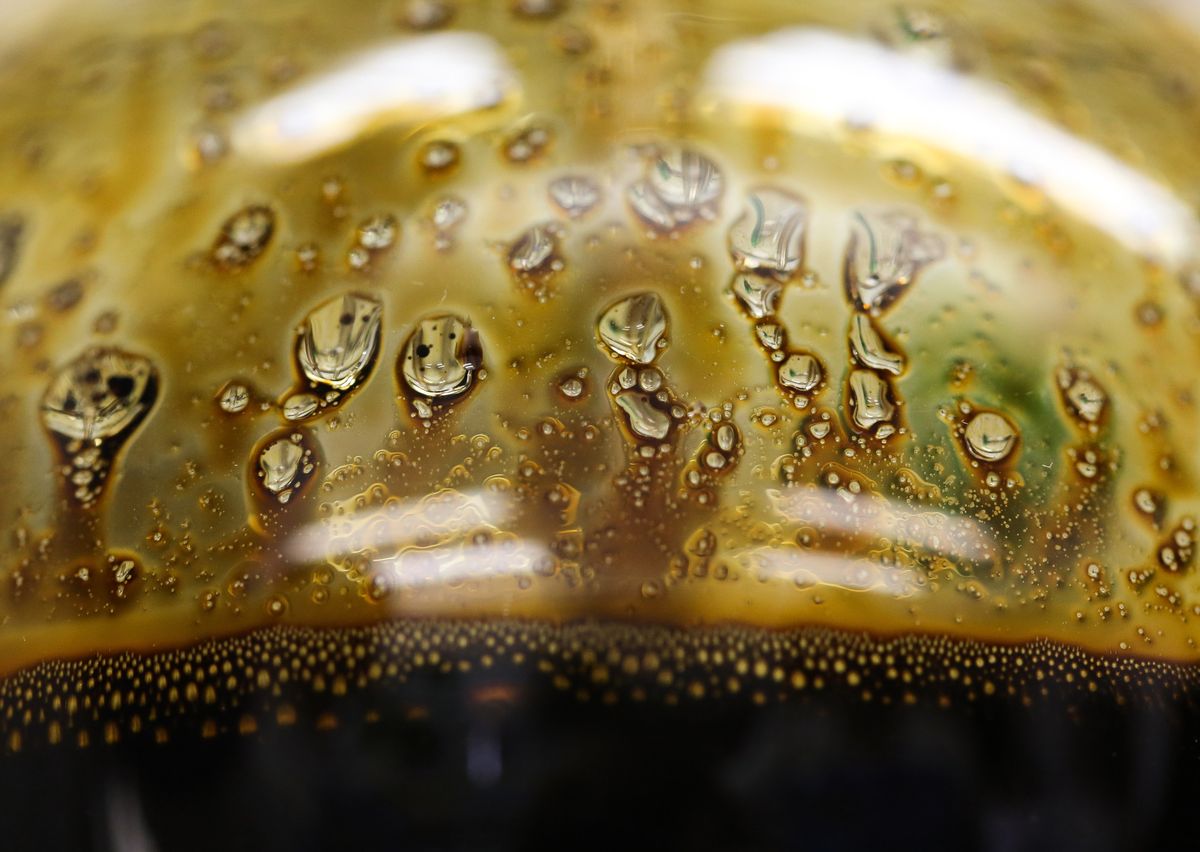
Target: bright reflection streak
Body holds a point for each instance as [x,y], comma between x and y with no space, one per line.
[413,80]
[875,523]
[839,80]
[806,568]
[445,516]
[447,565]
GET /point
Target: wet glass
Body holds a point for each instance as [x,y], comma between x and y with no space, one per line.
[509,414]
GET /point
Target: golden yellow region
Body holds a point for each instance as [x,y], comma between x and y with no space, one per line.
[585,327]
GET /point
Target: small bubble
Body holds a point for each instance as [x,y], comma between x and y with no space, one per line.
[536,8]
[307,257]
[1082,395]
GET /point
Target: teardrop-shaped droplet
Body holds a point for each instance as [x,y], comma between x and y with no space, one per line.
[339,339]
[100,395]
[885,252]
[633,328]
[769,235]
[442,357]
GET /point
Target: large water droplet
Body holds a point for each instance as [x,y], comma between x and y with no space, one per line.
[99,395]
[680,186]
[535,249]
[870,400]
[285,463]
[800,372]
[442,357]
[885,252]
[299,406]
[645,419]
[575,195]
[633,328]
[1082,395]
[769,235]
[758,294]
[243,237]
[868,348]
[234,398]
[338,340]
[990,437]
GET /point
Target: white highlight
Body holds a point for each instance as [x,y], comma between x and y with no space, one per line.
[413,80]
[841,80]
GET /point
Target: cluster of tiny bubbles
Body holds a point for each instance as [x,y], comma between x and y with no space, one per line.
[268,676]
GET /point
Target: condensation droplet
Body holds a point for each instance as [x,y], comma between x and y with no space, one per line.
[280,466]
[243,237]
[1082,395]
[527,144]
[633,328]
[534,250]
[990,437]
[99,395]
[424,15]
[442,357]
[800,372]
[575,195]
[234,398]
[870,400]
[645,419]
[439,155]
[768,237]
[868,347]
[338,340]
[884,254]
[378,232]
[571,387]
[301,405]
[758,294]
[680,186]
